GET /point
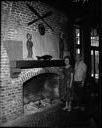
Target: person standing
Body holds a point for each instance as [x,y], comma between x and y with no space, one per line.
[79,80]
[67,83]
[29,45]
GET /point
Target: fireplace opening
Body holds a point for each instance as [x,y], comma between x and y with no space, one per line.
[40,91]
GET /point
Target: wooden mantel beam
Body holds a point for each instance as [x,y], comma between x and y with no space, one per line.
[25,64]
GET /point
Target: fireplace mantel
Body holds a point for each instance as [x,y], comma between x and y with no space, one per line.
[17,65]
[25,64]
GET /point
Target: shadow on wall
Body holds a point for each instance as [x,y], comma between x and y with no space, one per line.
[40,86]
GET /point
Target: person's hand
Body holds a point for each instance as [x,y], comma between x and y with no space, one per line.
[70,86]
[82,83]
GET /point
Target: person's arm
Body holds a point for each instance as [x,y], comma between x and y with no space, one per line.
[84,74]
[71,81]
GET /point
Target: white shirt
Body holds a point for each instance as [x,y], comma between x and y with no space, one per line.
[80,69]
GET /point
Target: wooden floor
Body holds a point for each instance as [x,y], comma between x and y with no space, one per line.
[56,117]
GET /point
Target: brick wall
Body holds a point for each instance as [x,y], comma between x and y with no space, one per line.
[14,19]
[10,93]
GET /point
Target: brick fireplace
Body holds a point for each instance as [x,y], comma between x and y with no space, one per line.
[14,28]
[11,89]
[41,86]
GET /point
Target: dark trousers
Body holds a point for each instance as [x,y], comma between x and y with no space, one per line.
[78,91]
